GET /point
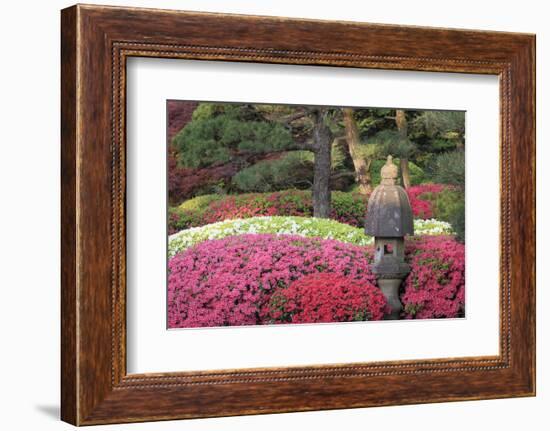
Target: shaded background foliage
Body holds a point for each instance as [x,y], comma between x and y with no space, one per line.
[240,148]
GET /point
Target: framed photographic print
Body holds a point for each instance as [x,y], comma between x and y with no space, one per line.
[264,215]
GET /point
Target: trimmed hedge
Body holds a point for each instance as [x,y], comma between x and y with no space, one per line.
[347,207]
[199,202]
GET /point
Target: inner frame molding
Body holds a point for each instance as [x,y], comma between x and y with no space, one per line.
[96,42]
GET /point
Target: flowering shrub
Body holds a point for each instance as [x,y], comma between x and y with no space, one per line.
[422,198]
[347,207]
[178,219]
[435,286]
[432,227]
[303,226]
[229,281]
[326,297]
[442,201]
[288,203]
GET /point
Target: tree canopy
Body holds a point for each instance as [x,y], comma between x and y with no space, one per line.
[219,132]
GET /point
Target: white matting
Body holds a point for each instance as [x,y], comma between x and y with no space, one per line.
[153,348]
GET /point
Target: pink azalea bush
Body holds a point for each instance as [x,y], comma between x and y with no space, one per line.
[228,281]
[326,297]
[435,286]
[231,281]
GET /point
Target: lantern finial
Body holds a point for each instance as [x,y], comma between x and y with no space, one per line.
[389,172]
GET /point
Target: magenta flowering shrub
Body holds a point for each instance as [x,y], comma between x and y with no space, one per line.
[243,280]
[291,203]
[435,286]
[228,281]
[326,297]
[422,198]
[347,208]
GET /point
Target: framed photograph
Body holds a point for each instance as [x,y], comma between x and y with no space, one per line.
[263,214]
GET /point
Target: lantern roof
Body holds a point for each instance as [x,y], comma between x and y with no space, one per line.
[389,212]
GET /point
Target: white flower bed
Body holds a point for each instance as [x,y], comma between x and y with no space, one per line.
[304,226]
[432,227]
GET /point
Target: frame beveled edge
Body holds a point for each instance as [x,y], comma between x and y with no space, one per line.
[95,388]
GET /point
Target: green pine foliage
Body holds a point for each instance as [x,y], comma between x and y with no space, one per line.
[218,133]
[441,124]
[391,142]
[449,168]
[436,132]
[293,170]
[370,121]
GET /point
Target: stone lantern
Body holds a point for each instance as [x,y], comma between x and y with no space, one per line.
[389,219]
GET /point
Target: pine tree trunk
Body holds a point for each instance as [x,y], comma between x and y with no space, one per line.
[402,127]
[361,165]
[322,140]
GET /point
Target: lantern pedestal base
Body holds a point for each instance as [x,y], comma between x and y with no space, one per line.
[390,289]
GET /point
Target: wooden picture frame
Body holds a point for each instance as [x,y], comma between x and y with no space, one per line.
[96,41]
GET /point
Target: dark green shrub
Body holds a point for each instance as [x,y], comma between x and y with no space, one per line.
[449,168]
[349,208]
[458,220]
[448,205]
[182,219]
[445,203]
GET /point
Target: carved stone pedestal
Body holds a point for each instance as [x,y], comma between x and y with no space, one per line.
[390,289]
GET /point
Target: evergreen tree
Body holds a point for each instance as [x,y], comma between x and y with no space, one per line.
[220,133]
